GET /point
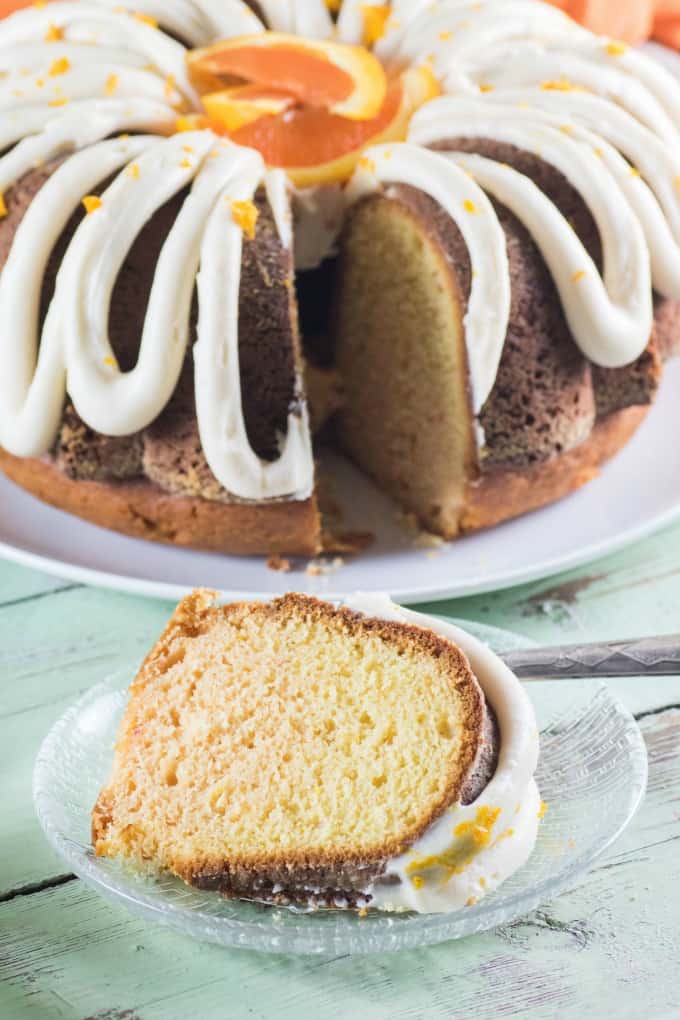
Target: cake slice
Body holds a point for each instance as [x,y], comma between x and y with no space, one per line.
[288,751]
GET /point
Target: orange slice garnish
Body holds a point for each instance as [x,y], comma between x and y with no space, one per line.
[316,146]
[241,105]
[345,80]
[8,7]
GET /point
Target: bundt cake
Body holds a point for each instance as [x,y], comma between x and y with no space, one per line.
[465,217]
[294,752]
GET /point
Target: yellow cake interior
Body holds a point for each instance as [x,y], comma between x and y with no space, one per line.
[265,731]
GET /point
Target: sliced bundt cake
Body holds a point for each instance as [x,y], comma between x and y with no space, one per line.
[288,751]
[503,290]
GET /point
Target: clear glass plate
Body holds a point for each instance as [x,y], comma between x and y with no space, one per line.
[592,773]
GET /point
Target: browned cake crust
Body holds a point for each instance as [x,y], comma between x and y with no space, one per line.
[323,876]
[141,509]
[505,493]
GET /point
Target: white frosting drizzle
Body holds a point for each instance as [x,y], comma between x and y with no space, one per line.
[611,322]
[488,311]
[310,18]
[453,30]
[218,404]
[196,22]
[610,132]
[86,81]
[89,24]
[512,789]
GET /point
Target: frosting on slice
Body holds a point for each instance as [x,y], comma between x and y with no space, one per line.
[471,849]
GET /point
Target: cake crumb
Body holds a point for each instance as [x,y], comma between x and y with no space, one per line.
[422,539]
[426,540]
[324,567]
[279,564]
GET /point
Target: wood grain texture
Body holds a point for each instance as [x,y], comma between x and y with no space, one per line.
[610,947]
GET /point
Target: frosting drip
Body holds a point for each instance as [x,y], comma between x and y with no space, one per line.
[471,849]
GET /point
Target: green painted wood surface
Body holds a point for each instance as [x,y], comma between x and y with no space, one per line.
[609,947]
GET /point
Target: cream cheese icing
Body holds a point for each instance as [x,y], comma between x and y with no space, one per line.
[471,849]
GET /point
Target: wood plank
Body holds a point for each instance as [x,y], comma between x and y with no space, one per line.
[632,593]
[64,644]
[611,946]
[18,584]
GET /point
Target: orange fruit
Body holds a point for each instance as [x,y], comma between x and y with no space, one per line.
[8,7]
[346,80]
[316,146]
[667,23]
[629,20]
[241,105]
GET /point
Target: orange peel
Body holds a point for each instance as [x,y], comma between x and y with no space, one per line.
[348,81]
[8,7]
[236,107]
[317,147]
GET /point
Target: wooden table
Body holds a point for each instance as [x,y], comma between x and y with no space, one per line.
[608,948]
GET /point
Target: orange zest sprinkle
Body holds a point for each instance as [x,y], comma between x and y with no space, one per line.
[542,809]
[557,85]
[616,48]
[245,215]
[191,122]
[92,203]
[3,206]
[469,206]
[133,171]
[54,34]
[111,84]
[375,18]
[60,66]
[578,275]
[480,829]
[146,19]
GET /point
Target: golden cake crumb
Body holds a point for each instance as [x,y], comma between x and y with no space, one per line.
[279,564]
